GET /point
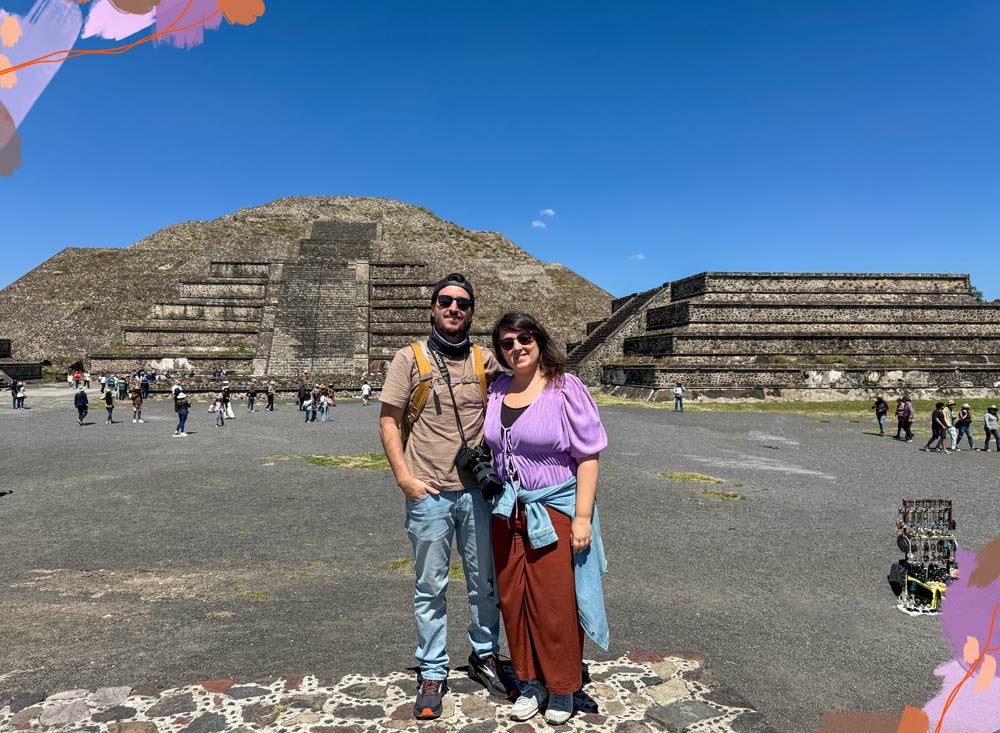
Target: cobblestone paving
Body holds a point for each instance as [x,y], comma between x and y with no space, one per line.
[633,694]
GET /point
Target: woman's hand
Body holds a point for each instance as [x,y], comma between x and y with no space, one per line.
[580,534]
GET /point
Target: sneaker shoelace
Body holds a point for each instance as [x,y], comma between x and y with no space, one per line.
[430,687]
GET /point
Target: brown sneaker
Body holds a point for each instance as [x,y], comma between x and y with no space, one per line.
[429,693]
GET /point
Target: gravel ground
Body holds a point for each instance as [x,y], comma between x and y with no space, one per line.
[131,557]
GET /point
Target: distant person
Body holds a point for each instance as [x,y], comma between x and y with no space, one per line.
[964,424]
[103,382]
[86,380]
[13,394]
[307,406]
[176,389]
[270,397]
[144,386]
[80,400]
[881,408]
[70,381]
[136,404]
[366,393]
[227,408]
[251,398]
[109,406]
[219,408]
[19,397]
[112,384]
[303,396]
[900,416]
[909,415]
[122,387]
[181,406]
[77,379]
[938,428]
[992,428]
[949,421]
[679,398]
[324,404]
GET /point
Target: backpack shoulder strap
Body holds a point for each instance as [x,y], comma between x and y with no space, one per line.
[419,397]
[480,367]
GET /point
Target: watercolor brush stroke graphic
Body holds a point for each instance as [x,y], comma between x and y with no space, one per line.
[33,47]
[969,701]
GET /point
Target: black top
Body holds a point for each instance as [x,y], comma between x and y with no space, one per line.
[508,415]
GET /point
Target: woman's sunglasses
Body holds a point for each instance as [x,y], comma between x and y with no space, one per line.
[525,339]
[445,301]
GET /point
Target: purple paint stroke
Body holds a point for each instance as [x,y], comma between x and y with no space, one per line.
[50,25]
[970,711]
[107,21]
[967,610]
[168,11]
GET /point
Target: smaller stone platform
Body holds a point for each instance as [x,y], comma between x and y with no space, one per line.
[637,693]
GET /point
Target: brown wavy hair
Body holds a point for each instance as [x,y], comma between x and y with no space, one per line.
[552,360]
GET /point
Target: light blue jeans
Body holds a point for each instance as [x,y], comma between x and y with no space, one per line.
[430,524]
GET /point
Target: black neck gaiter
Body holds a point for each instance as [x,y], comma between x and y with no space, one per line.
[450,350]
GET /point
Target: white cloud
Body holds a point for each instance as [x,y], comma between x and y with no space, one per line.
[637,258]
[546,212]
[538,224]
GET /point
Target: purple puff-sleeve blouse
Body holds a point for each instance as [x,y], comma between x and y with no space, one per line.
[559,427]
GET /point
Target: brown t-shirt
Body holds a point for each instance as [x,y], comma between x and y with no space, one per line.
[434,442]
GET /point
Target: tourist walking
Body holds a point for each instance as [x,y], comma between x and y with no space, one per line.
[909,415]
[144,385]
[992,428]
[86,380]
[109,406]
[136,404]
[881,408]
[219,408]
[938,428]
[964,424]
[324,405]
[19,397]
[226,403]
[950,423]
[366,393]
[122,387]
[181,406]
[900,413]
[103,381]
[679,398]
[314,403]
[547,547]
[442,502]
[303,396]
[13,394]
[270,397]
[251,398]
[80,401]
[77,378]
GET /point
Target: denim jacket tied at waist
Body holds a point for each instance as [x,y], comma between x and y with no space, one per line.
[588,566]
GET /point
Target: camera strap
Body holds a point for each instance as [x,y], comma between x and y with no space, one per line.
[446,376]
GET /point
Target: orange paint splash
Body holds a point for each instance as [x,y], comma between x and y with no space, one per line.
[10,31]
[7,76]
[241,12]
[914,721]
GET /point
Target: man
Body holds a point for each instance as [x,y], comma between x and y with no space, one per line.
[441,501]
[80,401]
[251,398]
[938,429]
[992,429]
[366,393]
[952,429]
[679,398]
[270,397]
[303,396]
[136,404]
[909,415]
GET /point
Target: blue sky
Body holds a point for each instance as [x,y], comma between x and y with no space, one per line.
[669,138]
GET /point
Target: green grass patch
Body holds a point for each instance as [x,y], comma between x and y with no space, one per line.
[455,571]
[722,495]
[839,408]
[695,477]
[241,535]
[401,564]
[254,596]
[362,461]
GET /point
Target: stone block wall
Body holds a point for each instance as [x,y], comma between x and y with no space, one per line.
[808,282]
[191,339]
[203,312]
[253,270]
[5,351]
[210,289]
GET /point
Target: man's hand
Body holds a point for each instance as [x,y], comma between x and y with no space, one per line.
[415,489]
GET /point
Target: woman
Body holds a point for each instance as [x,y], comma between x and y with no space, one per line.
[964,424]
[546,436]
[881,408]
[181,406]
[109,405]
[219,408]
[19,396]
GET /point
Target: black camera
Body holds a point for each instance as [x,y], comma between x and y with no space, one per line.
[479,462]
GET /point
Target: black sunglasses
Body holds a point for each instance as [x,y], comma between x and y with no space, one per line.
[445,301]
[525,339]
